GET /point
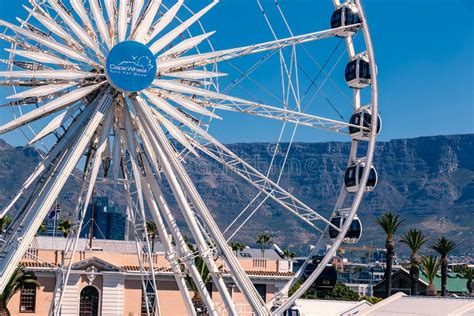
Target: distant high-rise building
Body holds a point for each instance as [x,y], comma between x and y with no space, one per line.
[109,223]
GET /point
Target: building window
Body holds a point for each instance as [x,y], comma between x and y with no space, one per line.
[28,299]
[148,298]
[89,302]
[262,290]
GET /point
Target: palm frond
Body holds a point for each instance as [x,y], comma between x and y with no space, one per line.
[390,223]
[430,266]
[444,246]
[414,239]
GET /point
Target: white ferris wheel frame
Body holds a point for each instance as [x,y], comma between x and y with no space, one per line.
[199,220]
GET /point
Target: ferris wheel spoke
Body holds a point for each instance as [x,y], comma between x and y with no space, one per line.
[124,8]
[71,133]
[175,132]
[192,106]
[165,40]
[252,108]
[156,97]
[163,21]
[184,46]
[175,172]
[42,57]
[97,13]
[137,7]
[76,28]
[38,207]
[60,48]
[195,74]
[41,91]
[54,124]
[101,147]
[294,117]
[227,54]
[181,118]
[175,114]
[81,11]
[49,74]
[111,9]
[145,21]
[225,156]
[53,27]
[53,106]
[203,247]
[159,207]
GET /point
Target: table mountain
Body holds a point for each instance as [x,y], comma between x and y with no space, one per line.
[428,180]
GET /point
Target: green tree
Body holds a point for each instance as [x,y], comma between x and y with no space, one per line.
[443,246]
[18,280]
[42,229]
[241,247]
[390,223]
[235,247]
[371,299]
[206,277]
[468,274]
[288,254]
[4,222]
[341,292]
[152,233]
[65,227]
[430,266]
[263,240]
[414,239]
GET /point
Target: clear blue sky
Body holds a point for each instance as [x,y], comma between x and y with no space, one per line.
[424,50]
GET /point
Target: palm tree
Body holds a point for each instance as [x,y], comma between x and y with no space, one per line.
[42,229]
[152,233]
[18,280]
[241,247]
[65,226]
[390,223]
[430,266]
[4,222]
[263,240]
[288,254]
[206,277]
[414,239]
[443,246]
[235,247]
[468,274]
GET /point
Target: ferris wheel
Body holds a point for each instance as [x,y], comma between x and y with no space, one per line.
[133,86]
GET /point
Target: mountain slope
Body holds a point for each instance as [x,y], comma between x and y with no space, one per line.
[428,180]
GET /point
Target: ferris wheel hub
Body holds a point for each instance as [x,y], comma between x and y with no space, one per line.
[130,66]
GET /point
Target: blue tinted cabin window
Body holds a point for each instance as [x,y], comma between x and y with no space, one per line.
[372,180]
[350,72]
[336,18]
[349,177]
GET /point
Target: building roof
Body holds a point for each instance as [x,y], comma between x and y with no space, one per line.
[257,253]
[402,304]
[329,307]
[106,245]
[133,268]
[455,283]
[127,246]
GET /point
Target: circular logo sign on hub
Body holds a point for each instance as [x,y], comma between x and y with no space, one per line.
[130,66]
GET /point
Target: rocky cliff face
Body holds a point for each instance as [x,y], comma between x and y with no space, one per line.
[428,180]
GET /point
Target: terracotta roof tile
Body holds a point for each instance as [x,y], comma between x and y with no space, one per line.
[38,264]
[249,272]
